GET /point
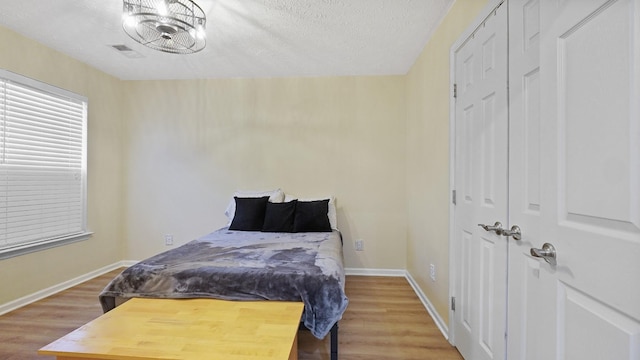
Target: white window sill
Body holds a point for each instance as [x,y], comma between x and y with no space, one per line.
[42,245]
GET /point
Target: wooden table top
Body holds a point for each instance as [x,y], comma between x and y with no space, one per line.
[186,329]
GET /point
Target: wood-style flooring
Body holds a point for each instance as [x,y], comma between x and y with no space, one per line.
[384,320]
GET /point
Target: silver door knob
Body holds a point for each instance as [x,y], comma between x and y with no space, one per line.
[548,253]
[497,227]
[514,232]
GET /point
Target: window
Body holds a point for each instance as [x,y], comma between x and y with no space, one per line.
[42,165]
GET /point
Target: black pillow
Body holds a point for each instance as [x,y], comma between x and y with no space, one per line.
[279,217]
[249,214]
[311,216]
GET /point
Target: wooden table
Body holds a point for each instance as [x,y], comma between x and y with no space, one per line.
[186,329]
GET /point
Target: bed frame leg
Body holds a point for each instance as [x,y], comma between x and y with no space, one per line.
[333,339]
[334,342]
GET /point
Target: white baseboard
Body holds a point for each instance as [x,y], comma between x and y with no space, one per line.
[375,272]
[128,263]
[39,295]
[429,306]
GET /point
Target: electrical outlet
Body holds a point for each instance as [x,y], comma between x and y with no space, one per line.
[359,245]
[168,239]
[432,272]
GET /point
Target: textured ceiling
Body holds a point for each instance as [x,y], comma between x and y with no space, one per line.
[245,38]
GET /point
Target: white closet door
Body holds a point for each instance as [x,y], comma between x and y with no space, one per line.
[585,200]
[524,175]
[481,183]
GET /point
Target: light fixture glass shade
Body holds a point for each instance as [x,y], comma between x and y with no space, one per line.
[173,26]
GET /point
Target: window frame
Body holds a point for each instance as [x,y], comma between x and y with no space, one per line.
[7,250]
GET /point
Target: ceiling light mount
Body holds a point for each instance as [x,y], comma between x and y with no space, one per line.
[172,26]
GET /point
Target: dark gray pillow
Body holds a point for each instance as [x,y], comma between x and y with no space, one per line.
[279,217]
[249,214]
[311,216]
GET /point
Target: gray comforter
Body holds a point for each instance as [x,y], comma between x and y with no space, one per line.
[241,265]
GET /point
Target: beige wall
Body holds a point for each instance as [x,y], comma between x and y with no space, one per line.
[166,156]
[24,275]
[428,156]
[191,144]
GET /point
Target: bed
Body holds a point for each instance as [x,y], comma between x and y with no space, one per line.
[233,264]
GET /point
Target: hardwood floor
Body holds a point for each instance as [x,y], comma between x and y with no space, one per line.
[384,320]
[24,331]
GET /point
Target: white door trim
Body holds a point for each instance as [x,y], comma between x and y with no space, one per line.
[453,261]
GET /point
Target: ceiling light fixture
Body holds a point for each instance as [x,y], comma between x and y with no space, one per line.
[173,26]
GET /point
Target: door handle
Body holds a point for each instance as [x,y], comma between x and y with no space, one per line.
[548,253]
[514,232]
[497,227]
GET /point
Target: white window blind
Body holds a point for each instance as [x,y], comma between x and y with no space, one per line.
[42,165]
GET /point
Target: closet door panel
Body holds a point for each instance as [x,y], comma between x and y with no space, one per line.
[481,181]
[524,173]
